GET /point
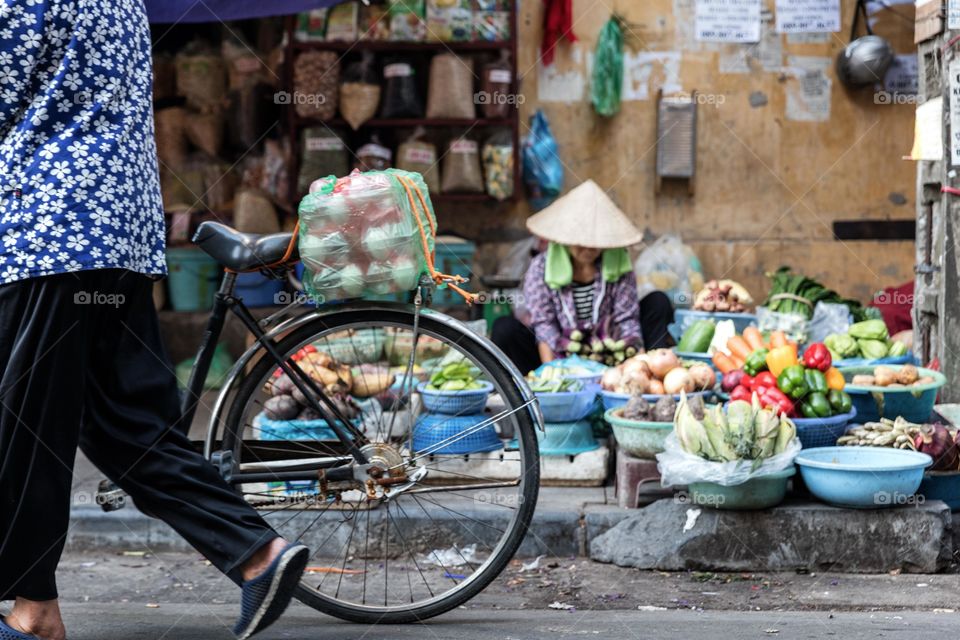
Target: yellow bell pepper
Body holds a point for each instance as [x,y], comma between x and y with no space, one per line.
[782,357]
[834,379]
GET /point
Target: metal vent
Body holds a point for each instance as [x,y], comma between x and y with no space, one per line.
[676,137]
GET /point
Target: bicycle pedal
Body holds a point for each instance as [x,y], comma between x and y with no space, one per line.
[110,497]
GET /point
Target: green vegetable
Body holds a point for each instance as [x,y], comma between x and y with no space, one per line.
[756,362]
[784,281]
[840,401]
[744,432]
[792,381]
[816,381]
[816,405]
[869,330]
[842,345]
[872,349]
[697,337]
[897,349]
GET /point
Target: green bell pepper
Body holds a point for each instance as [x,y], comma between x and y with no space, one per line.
[792,381]
[816,381]
[840,401]
[756,362]
[816,405]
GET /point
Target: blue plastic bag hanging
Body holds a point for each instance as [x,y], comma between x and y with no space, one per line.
[542,169]
[607,81]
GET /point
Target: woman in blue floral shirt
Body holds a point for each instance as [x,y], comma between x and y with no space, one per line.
[81,359]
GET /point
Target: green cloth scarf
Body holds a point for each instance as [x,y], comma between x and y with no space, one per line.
[559,268]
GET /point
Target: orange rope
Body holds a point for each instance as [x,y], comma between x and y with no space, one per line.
[439,278]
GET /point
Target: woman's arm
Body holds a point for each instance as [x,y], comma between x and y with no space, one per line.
[543,318]
[626,311]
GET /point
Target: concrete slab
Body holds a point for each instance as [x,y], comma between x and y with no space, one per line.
[672,535]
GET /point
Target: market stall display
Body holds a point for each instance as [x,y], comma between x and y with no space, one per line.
[914,401]
[866,342]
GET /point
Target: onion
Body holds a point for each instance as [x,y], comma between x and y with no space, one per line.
[661,362]
[635,383]
[703,376]
[611,379]
[636,364]
[655,387]
[677,380]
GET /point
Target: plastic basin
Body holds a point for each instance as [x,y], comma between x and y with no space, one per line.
[567,438]
[863,362]
[942,485]
[568,406]
[862,477]
[455,402]
[639,438]
[756,493]
[913,403]
[433,429]
[822,432]
[193,279]
[683,318]
[613,400]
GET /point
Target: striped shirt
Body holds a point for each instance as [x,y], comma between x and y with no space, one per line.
[583,301]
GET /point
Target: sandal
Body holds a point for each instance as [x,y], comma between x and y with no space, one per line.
[267,596]
[9,633]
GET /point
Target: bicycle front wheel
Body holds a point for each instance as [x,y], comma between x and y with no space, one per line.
[450,436]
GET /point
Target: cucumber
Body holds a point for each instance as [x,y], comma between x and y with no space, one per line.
[697,337]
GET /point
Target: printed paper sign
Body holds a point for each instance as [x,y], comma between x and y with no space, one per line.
[954,70]
[928,131]
[728,20]
[808,92]
[901,77]
[805,16]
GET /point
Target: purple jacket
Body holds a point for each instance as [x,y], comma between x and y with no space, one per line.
[616,307]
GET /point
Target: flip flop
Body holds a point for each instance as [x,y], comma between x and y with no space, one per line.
[9,633]
[267,596]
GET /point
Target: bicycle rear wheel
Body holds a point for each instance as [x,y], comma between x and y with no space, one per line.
[458,483]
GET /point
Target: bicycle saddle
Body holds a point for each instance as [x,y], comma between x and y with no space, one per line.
[243,251]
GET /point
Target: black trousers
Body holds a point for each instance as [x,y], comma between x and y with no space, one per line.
[518,342]
[82,363]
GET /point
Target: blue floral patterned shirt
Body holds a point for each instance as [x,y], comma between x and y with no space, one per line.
[79,187]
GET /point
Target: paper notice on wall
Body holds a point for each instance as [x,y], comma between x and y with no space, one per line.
[766,55]
[954,71]
[901,77]
[953,14]
[565,80]
[928,131]
[804,16]
[728,20]
[808,89]
[646,71]
[808,38]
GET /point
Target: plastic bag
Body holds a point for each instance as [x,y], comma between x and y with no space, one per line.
[323,154]
[420,156]
[360,91]
[794,325]
[359,235]
[669,266]
[542,169]
[449,20]
[678,467]
[451,87]
[461,168]
[373,156]
[495,84]
[607,78]
[311,26]
[407,20]
[828,317]
[400,96]
[498,165]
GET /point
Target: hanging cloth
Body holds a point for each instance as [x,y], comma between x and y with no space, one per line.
[558,270]
[557,25]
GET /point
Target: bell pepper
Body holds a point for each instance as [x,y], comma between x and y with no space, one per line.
[840,401]
[792,382]
[816,405]
[741,393]
[780,358]
[817,356]
[816,381]
[764,379]
[756,362]
[775,399]
[747,381]
[834,379]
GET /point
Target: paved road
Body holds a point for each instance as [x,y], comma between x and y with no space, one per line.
[212,622]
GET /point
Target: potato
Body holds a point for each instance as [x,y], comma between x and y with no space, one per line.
[320,359]
[863,380]
[908,374]
[368,384]
[884,376]
[319,374]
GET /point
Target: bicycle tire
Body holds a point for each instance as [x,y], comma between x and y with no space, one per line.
[493,361]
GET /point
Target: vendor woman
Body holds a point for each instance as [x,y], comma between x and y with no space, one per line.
[583,281]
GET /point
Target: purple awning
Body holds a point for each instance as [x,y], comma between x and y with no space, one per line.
[181,11]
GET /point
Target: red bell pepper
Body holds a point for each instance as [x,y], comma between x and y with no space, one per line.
[765,379]
[747,381]
[817,356]
[777,400]
[740,392]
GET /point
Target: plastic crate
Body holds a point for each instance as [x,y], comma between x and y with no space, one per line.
[568,406]
[454,257]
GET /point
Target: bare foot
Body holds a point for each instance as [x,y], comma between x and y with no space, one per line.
[260,560]
[40,619]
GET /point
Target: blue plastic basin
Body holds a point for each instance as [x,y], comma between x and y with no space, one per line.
[942,485]
[863,477]
[914,403]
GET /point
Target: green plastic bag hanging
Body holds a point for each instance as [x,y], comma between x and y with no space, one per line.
[607,80]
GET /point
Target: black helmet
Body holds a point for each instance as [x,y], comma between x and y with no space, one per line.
[865,60]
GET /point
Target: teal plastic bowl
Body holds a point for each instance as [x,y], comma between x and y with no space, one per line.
[639,438]
[913,403]
[567,438]
[863,477]
[757,493]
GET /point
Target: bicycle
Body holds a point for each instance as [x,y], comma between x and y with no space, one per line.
[387,501]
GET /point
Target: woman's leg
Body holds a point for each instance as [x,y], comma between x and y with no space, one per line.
[517,341]
[656,314]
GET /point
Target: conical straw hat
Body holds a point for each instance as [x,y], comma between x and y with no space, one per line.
[585,217]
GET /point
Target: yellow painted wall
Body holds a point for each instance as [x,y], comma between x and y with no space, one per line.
[767,188]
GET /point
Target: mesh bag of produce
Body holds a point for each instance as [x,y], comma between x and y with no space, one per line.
[368,234]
